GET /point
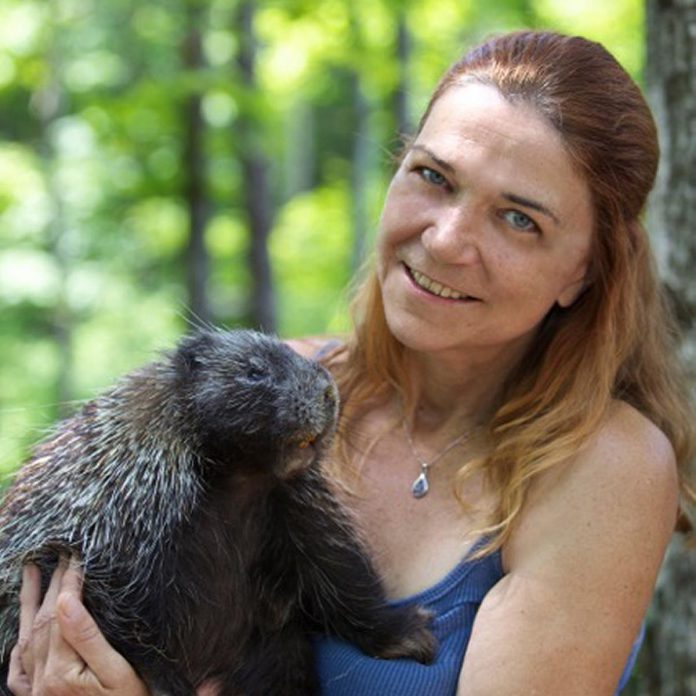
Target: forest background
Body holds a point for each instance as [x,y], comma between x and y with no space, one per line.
[215,159]
[193,161]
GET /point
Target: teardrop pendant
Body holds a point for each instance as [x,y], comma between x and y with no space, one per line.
[420,486]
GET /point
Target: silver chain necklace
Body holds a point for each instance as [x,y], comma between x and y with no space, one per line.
[420,486]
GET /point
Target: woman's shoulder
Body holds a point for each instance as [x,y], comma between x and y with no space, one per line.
[627,451]
[315,347]
[620,489]
[626,427]
[630,455]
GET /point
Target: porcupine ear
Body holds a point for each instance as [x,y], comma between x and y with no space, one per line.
[186,357]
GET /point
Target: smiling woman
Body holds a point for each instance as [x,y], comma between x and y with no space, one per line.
[514,299]
[515,430]
[448,218]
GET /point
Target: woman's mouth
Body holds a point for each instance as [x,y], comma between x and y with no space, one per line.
[433,287]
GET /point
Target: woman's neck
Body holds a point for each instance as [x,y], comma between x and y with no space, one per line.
[450,391]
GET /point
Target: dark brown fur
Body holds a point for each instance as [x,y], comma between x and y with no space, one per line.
[211,544]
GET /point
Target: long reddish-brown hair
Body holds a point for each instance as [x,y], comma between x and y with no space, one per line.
[617,341]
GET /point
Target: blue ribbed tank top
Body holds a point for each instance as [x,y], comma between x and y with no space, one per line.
[345,671]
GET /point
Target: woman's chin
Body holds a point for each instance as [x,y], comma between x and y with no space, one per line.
[416,336]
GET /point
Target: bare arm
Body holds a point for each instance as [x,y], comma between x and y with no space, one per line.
[582,565]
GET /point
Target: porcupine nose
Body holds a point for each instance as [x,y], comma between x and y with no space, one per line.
[315,414]
[318,408]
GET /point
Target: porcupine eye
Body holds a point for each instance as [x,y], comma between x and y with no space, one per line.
[255,373]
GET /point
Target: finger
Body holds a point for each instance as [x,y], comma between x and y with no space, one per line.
[73,577]
[79,629]
[35,653]
[70,587]
[29,601]
[210,687]
[49,601]
[17,679]
[62,654]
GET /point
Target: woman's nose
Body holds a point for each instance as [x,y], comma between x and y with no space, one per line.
[453,235]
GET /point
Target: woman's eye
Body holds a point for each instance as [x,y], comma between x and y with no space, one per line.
[432,177]
[520,221]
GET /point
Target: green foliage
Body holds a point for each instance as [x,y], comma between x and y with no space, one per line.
[309,249]
[617,24]
[93,220]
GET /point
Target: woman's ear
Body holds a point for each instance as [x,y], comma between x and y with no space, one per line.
[571,293]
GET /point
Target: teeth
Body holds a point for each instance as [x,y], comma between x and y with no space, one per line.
[434,287]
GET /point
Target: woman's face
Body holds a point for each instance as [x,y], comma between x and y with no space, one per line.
[485,227]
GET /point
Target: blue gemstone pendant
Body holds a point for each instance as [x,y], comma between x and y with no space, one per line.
[420,486]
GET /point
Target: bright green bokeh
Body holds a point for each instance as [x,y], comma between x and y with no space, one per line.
[93,222]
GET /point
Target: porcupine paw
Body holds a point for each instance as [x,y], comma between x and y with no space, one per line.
[414,641]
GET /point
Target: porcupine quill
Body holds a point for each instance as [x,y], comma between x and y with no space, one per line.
[212,547]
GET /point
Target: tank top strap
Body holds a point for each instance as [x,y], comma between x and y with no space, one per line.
[327,347]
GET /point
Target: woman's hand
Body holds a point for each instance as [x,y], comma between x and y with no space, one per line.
[61,649]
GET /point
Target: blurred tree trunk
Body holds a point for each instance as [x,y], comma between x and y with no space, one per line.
[300,161]
[362,145]
[48,104]
[194,167]
[360,171]
[255,175]
[668,659]
[402,94]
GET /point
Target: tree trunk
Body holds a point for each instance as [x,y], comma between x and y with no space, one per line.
[360,171]
[402,102]
[256,179]
[48,103]
[360,166]
[669,656]
[194,166]
[300,160]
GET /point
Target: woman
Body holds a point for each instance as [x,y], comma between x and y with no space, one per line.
[515,433]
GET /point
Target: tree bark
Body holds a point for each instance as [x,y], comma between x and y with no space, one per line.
[194,166]
[300,161]
[669,656]
[360,171]
[48,103]
[256,177]
[402,101]
[360,165]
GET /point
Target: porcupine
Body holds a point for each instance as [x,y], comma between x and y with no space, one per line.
[211,543]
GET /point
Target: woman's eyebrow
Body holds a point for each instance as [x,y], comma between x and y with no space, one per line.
[534,205]
[445,165]
[512,197]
